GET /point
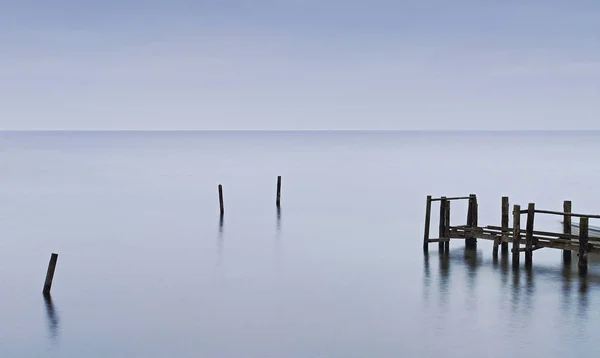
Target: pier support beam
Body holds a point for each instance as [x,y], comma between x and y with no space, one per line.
[516,235]
[472,217]
[567,228]
[529,235]
[583,244]
[427,224]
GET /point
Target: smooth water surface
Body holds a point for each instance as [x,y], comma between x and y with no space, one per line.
[147,269]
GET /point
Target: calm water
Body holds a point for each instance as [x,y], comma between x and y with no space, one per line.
[146,269]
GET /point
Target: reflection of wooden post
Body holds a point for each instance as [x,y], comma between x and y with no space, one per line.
[516,234]
[505,208]
[221,199]
[427,224]
[50,273]
[471,242]
[447,227]
[567,228]
[278,190]
[529,235]
[442,226]
[583,244]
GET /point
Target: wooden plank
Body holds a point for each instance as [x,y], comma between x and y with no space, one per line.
[450,198]
[427,224]
[537,232]
[444,239]
[572,214]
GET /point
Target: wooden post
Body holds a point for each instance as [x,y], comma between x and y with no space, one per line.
[583,244]
[505,208]
[567,228]
[278,190]
[498,240]
[516,234]
[471,242]
[442,226]
[50,273]
[447,227]
[427,224]
[221,199]
[529,235]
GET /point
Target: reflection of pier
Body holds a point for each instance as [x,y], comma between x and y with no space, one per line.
[527,240]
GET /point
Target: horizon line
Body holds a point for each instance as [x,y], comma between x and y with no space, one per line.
[311,130]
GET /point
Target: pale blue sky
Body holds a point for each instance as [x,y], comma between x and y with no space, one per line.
[300,64]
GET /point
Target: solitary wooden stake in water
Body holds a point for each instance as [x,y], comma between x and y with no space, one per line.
[221,199]
[50,274]
[278,190]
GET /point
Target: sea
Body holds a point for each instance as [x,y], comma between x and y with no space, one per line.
[147,267]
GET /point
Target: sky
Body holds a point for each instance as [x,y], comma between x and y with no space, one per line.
[300,64]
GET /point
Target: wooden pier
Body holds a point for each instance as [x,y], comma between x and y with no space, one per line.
[525,239]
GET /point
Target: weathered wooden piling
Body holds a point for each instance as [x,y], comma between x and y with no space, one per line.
[278,201]
[505,208]
[442,225]
[447,227]
[502,240]
[472,217]
[567,228]
[427,224]
[583,244]
[221,199]
[50,274]
[529,239]
[516,244]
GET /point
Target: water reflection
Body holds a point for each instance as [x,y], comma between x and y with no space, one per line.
[426,278]
[278,221]
[520,285]
[52,318]
[220,243]
[277,244]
